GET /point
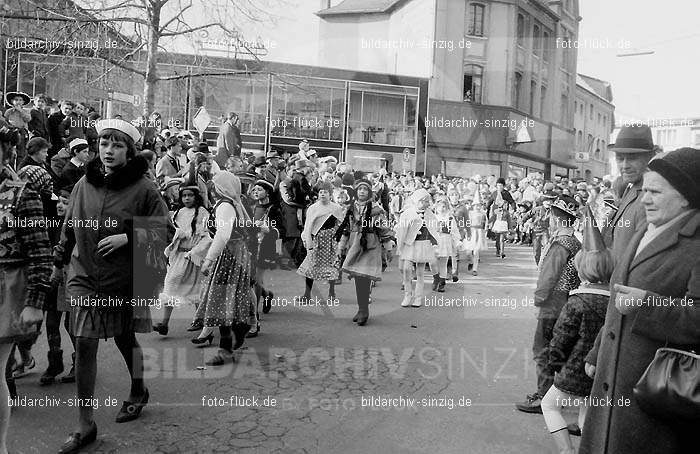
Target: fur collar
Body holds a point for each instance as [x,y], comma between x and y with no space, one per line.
[132,172]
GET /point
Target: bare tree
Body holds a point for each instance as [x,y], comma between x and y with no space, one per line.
[148,29]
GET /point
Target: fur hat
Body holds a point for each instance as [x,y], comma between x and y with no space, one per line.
[681,169]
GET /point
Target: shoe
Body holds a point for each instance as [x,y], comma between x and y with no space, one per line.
[196,325]
[70,376]
[362,319]
[267,302]
[201,340]
[574,429]
[402,287]
[220,358]
[356,317]
[531,404]
[455,278]
[77,441]
[407,298]
[55,367]
[503,256]
[474,273]
[441,285]
[253,333]
[239,332]
[21,369]
[418,301]
[132,410]
[436,281]
[161,328]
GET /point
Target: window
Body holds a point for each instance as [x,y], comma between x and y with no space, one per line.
[533,92]
[305,107]
[543,101]
[576,138]
[472,83]
[600,120]
[536,37]
[545,46]
[565,109]
[597,147]
[580,106]
[602,146]
[475,19]
[605,121]
[382,115]
[521,29]
[589,143]
[591,112]
[579,139]
[517,87]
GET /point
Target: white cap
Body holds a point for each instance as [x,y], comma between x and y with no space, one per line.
[75,142]
[120,125]
[311,152]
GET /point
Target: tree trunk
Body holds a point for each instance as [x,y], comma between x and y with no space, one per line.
[149,86]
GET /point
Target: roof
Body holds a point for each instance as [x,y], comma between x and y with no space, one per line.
[361,7]
[597,86]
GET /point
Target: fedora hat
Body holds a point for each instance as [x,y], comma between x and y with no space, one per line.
[634,139]
[13,94]
[273,154]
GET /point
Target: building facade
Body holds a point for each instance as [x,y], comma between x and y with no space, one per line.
[502,75]
[594,120]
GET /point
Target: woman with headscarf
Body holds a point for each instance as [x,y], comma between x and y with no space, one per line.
[363,233]
[25,262]
[115,222]
[228,300]
[322,220]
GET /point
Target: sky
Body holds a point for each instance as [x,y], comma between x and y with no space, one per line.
[663,85]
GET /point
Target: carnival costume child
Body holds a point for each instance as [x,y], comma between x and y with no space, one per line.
[416,240]
[362,234]
[185,253]
[322,221]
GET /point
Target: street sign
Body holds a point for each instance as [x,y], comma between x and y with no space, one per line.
[201,121]
[582,156]
[124,97]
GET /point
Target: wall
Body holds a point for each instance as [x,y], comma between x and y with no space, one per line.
[364,42]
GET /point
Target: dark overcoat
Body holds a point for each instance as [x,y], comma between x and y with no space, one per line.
[669,266]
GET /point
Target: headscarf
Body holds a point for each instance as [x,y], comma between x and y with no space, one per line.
[228,186]
[417,196]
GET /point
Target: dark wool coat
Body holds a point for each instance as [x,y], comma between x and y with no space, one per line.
[124,202]
[669,266]
[574,334]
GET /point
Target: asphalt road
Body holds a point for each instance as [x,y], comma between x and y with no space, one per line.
[313,381]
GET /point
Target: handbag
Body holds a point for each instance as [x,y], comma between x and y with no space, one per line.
[670,385]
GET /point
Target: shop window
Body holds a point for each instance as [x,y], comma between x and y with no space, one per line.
[382,115]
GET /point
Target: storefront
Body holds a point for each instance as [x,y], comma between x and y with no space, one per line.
[365,117]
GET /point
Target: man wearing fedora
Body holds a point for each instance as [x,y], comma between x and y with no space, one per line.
[272,171]
[633,149]
[557,276]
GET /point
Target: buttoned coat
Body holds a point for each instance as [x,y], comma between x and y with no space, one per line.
[629,217]
[669,266]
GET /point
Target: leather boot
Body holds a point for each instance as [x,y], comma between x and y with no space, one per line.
[11,387]
[55,367]
[441,285]
[362,312]
[563,441]
[436,281]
